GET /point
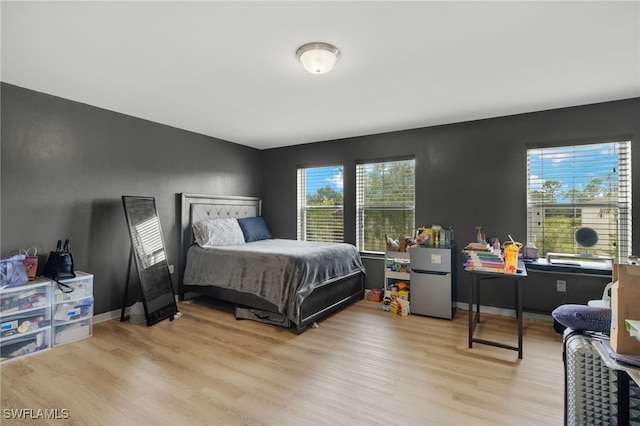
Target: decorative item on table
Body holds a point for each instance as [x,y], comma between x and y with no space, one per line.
[30,261]
[405,242]
[13,272]
[434,236]
[448,236]
[402,244]
[392,245]
[424,236]
[438,235]
[530,252]
[494,244]
[480,237]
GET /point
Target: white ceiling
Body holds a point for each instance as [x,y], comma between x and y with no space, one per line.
[227,69]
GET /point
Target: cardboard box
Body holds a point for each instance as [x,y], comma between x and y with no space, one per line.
[394,306]
[403,307]
[374,295]
[625,305]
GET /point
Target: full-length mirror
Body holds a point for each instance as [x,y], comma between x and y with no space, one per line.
[147,249]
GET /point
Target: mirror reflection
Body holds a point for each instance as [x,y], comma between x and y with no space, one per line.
[148,242]
[150,257]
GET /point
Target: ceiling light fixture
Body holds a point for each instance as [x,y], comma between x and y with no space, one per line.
[318,58]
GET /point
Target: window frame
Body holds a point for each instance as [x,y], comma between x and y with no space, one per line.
[303,208]
[360,201]
[582,207]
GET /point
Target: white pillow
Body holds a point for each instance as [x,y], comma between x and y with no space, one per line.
[218,232]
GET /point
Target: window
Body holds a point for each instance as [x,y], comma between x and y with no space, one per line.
[385,202]
[320,198]
[582,186]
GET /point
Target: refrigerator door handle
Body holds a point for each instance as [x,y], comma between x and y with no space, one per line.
[423,271]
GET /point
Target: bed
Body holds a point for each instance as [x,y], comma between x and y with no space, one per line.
[303,282]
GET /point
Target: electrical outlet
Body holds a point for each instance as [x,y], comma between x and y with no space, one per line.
[561,285]
[171,269]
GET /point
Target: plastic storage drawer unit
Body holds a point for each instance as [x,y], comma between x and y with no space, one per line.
[25,319]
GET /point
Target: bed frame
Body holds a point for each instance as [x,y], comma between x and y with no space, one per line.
[324,300]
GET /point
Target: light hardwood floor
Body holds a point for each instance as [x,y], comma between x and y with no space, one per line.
[361,366]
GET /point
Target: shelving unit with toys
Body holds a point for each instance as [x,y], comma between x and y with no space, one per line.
[397,282]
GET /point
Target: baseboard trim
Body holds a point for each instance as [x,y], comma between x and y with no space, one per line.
[106,316]
[507,312]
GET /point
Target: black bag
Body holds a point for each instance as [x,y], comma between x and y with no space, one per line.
[60,266]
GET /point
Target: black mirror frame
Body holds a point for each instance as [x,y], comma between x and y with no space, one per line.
[156,286]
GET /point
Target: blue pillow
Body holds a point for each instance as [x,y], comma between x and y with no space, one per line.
[254,229]
[583,317]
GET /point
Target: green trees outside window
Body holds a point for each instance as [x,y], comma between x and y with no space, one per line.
[385,202]
[320,200]
[570,187]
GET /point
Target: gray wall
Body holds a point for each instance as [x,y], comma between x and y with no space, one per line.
[467,174]
[65,166]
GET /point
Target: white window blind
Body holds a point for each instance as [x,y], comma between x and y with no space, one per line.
[385,202]
[572,187]
[320,200]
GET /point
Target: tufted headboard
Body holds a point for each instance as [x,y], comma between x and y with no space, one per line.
[196,207]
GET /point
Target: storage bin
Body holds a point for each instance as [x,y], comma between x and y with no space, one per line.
[25,319]
[73,310]
[22,322]
[72,331]
[82,286]
[25,344]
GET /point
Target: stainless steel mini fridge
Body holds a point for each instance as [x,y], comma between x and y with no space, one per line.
[433,281]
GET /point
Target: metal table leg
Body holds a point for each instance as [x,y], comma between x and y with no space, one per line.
[474,317]
[519,313]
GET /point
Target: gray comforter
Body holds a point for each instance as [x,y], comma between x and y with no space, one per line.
[283,272]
